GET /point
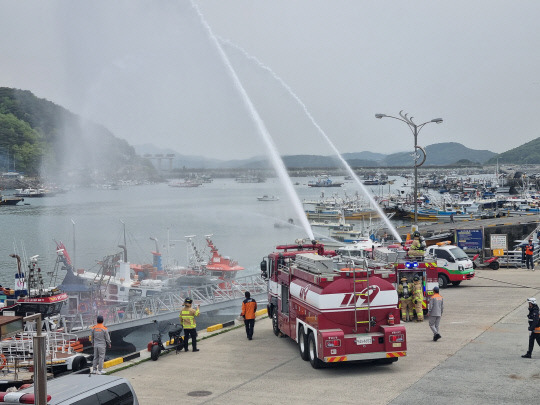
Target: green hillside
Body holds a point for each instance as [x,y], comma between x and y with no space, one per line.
[528,153]
[441,154]
[40,138]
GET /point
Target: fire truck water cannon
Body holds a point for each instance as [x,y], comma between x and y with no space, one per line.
[335,310]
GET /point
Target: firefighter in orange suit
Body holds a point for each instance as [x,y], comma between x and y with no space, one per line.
[187,316]
[405,291]
[249,307]
[418,298]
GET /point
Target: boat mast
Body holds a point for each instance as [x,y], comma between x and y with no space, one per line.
[74,249]
[125,244]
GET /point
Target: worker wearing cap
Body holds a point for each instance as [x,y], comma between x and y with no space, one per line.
[529,251]
[534,326]
[101,340]
[435,311]
[405,291]
[187,317]
[249,307]
[418,298]
[416,249]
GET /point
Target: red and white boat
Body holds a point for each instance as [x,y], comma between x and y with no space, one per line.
[30,296]
[203,268]
[219,266]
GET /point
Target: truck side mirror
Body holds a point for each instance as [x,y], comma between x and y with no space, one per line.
[264,273]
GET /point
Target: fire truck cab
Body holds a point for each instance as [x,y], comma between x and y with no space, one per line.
[335,311]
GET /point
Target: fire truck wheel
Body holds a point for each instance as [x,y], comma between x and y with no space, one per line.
[443,280]
[275,326]
[312,348]
[303,344]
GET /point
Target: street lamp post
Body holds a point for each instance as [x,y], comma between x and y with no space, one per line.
[415,129]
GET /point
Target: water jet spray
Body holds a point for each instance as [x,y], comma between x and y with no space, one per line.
[276,160]
[366,192]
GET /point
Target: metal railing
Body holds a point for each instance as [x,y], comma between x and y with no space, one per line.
[515,258]
[168,302]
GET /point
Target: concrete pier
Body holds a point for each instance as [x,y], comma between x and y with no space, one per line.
[477,361]
[442,226]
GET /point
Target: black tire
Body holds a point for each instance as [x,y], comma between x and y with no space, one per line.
[384,362]
[275,326]
[495,265]
[154,353]
[179,344]
[456,283]
[303,344]
[312,350]
[78,363]
[443,280]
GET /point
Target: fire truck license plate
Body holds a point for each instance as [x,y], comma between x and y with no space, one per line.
[363,340]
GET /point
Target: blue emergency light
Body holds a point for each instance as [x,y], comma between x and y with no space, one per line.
[411,265]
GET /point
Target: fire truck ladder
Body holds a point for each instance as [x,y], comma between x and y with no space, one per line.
[360,294]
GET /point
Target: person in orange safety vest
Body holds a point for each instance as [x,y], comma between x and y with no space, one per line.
[100,340]
[435,311]
[249,307]
[529,251]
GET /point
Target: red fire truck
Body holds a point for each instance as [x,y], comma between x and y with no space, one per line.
[334,311]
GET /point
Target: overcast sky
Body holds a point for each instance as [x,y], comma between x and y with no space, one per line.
[151,73]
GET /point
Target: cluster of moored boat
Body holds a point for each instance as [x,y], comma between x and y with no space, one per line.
[114,289]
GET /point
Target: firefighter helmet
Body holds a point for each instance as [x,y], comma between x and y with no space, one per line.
[188,301]
[403,278]
[416,278]
[416,234]
[531,300]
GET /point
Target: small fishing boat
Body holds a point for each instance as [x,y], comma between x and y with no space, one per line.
[268,198]
[324,181]
[10,200]
[187,183]
[31,192]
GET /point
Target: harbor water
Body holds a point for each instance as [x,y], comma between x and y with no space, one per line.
[91,222]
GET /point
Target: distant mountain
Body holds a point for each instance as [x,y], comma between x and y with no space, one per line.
[528,153]
[40,138]
[365,156]
[440,154]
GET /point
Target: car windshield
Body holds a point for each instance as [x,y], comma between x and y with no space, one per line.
[458,253]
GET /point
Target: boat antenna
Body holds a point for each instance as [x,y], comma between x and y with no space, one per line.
[124,226]
[155,240]
[18,262]
[74,249]
[123,247]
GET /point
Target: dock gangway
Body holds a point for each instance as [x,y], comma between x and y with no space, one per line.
[167,305]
